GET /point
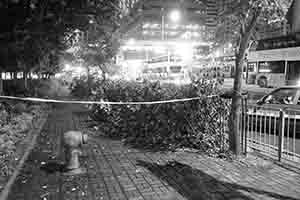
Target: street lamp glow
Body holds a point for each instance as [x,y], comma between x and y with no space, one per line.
[218,53]
[185,51]
[68,67]
[175,15]
[131,41]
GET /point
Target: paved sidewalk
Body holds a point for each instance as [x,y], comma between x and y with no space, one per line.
[116,172]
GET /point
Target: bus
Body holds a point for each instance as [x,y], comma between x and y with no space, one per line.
[166,69]
[274,67]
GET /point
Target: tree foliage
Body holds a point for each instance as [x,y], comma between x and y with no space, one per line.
[33,34]
[247,17]
[105,24]
[36,32]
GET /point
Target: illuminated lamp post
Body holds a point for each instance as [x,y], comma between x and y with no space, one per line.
[174,16]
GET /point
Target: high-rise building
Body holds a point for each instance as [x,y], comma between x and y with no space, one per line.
[274,30]
[211,17]
[126,5]
[157,24]
[278,29]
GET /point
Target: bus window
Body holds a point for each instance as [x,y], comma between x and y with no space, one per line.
[175,69]
[175,59]
[159,70]
[251,67]
[271,67]
[293,70]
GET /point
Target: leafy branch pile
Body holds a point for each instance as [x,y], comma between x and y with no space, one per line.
[15,122]
[199,124]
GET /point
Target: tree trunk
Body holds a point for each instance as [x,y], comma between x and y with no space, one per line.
[15,78]
[25,80]
[234,129]
[1,84]
[103,74]
[234,136]
[247,74]
[89,84]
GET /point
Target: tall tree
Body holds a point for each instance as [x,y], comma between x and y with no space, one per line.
[102,24]
[33,31]
[37,32]
[245,17]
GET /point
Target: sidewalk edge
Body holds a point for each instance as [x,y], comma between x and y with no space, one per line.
[34,134]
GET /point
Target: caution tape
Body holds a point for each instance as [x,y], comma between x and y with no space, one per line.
[31,99]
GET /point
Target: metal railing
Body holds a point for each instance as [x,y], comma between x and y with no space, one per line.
[272,131]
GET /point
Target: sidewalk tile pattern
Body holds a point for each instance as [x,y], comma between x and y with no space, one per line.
[118,172]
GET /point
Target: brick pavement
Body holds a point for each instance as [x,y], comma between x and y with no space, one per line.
[116,172]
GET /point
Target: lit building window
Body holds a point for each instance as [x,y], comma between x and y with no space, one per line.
[146,25]
[155,26]
[189,26]
[196,34]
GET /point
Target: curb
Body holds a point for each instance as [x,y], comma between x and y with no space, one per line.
[34,133]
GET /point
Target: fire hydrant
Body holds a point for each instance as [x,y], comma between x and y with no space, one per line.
[73,141]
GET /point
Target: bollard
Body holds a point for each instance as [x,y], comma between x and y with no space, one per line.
[73,141]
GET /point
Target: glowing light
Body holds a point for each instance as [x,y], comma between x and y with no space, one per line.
[265,70]
[175,15]
[131,41]
[196,34]
[68,67]
[79,70]
[132,69]
[185,51]
[160,49]
[217,53]
[298,82]
[196,26]
[186,35]
[155,25]
[146,25]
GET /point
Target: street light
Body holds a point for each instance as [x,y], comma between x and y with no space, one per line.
[131,42]
[175,15]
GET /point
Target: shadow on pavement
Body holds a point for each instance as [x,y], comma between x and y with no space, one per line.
[195,184]
[52,167]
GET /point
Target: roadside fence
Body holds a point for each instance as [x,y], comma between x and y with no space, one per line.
[271,131]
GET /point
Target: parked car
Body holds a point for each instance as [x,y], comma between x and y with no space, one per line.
[264,116]
[283,97]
